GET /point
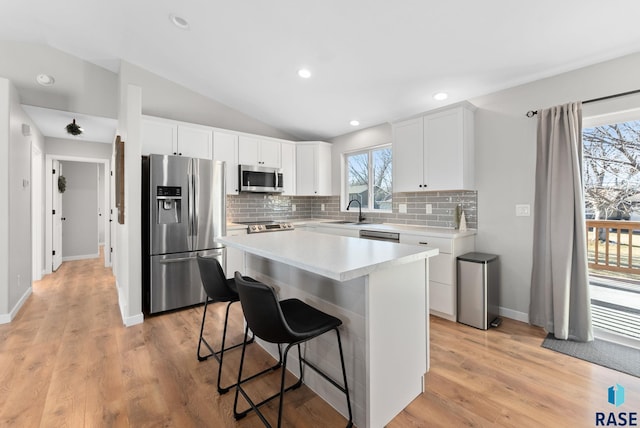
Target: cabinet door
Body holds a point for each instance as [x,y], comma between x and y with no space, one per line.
[289,168]
[270,154]
[225,148]
[322,165]
[305,170]
[443,157]
[408,156]
[248,151]
[235,257]
[159,137]
[194,142]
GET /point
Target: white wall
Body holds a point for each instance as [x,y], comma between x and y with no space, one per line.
[15,202]
[78,148]
[80,86]
[163,98]
[505,163]
[505,160]
[80,210]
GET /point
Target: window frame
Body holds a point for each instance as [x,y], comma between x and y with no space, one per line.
[344,192]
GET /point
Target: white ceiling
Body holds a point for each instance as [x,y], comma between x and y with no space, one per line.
[53,123]
[372,60]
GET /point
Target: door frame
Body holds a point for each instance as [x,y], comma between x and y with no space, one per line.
[49,158]
[36,212]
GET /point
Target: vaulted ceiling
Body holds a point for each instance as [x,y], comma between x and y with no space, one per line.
[370,60]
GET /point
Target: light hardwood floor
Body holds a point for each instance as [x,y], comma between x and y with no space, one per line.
[66,360]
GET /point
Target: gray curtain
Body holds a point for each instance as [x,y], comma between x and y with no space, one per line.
[560,300]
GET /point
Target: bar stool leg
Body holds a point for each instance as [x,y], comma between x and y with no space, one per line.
[344,378]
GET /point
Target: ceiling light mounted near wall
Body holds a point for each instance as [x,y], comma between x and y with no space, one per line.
[74,129]
[179,21]
[304,73]
[45,79]
[440,96]
[354,123]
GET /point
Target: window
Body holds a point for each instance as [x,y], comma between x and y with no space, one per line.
[368,178]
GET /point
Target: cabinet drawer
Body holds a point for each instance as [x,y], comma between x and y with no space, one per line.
[442,298]
[445,245]
[441,268]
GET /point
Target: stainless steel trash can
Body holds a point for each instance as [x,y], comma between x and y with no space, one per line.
[478,290]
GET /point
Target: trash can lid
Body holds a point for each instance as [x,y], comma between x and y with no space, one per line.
[477,257]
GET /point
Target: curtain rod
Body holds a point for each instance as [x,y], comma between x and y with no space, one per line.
[532,113]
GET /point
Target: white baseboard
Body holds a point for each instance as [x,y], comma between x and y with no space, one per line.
[7,318]
[81,257]
[128,321]
[514,315]
[133,320]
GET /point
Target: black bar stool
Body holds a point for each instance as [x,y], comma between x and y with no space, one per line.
[219,289]
[289,321]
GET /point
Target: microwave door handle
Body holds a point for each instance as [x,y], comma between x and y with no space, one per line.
[276,181]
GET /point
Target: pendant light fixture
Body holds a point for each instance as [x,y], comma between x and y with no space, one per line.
[74,129]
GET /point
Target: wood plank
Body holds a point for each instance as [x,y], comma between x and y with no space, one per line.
[66,360]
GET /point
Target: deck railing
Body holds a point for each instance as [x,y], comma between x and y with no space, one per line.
[614,245]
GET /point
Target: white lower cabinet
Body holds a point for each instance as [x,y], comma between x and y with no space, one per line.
[235,257]
[443,286]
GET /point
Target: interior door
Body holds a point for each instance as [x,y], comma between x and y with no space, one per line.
[56,206]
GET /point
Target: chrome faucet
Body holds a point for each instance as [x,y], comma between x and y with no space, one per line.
[360,216]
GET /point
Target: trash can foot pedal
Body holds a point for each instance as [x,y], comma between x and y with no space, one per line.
[496,322]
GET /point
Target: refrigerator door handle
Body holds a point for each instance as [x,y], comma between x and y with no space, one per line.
[177,260]
[190,195]
[196,197]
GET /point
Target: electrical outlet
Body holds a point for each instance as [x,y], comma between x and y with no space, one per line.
[523,210]
[402,208]
[293,207]
[321,207]
[429,209]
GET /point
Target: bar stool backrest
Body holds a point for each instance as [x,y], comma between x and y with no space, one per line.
[262,311]
[214,281]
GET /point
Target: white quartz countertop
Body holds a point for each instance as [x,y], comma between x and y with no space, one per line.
[337,257]
[391,227]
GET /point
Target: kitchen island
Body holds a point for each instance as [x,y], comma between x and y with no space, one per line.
[379,291]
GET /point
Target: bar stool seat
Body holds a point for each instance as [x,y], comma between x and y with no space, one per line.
[219,289]
[290,322]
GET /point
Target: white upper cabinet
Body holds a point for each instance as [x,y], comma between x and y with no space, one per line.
[167,137]
[159,137]
[408,147]
[289,168]
[260,152]
[195,141]
[435,152]
[313,169]
[225,148]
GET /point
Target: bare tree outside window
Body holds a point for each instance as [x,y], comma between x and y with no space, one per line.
[612,170]
[369,178]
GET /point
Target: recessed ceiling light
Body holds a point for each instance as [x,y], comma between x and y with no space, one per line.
[440,96]
[179,21]
[304,73]
[354,123]
[45,79]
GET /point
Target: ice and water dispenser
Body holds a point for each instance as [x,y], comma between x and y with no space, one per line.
[169,204]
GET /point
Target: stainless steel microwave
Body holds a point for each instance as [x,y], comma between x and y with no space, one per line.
[260,179]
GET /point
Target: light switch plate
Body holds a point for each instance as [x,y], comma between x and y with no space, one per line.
[321,207]
[402,208]
[293,207]
[523,210]
[429,209]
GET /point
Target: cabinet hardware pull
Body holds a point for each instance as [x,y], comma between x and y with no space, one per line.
[423,243]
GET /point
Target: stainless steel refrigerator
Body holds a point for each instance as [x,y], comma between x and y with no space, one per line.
[183,212]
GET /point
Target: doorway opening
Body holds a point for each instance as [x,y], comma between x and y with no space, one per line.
[60,218]
[611,173]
